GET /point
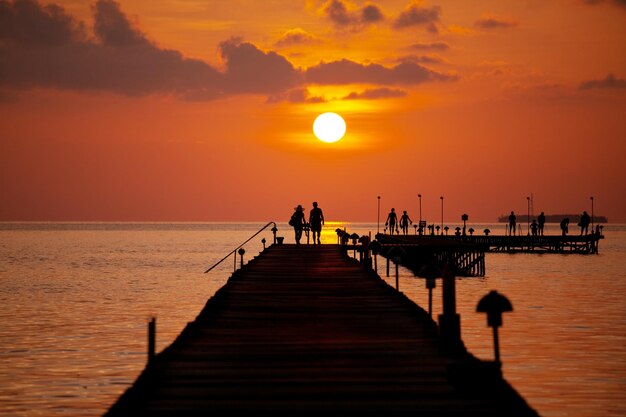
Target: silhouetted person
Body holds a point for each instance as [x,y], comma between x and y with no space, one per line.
[316,220]
[564,226]
[533,227]
[541,221]
[392,220]
[405,220]
[585,219]
[512,223]
[298,221]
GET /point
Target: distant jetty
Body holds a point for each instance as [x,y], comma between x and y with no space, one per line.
[552,218]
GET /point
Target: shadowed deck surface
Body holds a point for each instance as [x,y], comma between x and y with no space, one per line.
[306,330]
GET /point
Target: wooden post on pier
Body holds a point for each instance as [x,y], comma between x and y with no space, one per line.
[449,321]
[396,260]
[151,338]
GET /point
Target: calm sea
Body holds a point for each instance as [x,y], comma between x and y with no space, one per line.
[75,299]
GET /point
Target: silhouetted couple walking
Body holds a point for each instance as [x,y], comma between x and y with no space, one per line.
[316,220]
[395,225]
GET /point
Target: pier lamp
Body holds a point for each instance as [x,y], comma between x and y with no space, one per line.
[374,246]
[431,273]
[339,234]
[528,217]
[241,251]
[441,211]
[378,219]
[396,253]
[494,304]
[354,237]
[420,197]
[591,198]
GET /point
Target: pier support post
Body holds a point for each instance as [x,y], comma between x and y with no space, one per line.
[449,321]
[397,260]
[151,338]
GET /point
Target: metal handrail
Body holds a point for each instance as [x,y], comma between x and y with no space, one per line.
[234,251]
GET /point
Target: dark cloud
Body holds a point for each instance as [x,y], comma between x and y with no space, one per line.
[297,95]
[26,22]
[375,94]
[113,28]
[121,59]
[620,3]
[433,46]
[372,14]
[350,72]
[250,70]
[494,23]
[611,81]
[44,47]
[338,13]
[296,36]
[423,59]
[416,15]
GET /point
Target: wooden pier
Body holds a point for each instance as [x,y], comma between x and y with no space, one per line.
[466,254]
[466,259]
[570,244]
[306,330]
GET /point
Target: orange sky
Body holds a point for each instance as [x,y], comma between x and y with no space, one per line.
[202,110]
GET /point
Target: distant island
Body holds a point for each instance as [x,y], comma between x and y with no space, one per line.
[552,218]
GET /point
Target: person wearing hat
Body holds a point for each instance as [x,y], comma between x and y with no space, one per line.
[298,221]
[316,220]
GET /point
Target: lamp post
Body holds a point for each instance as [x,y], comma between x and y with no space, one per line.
[441,212]
[591,212]
[420,197]
[464,218]
[494,304]
[378,221]
[528,217]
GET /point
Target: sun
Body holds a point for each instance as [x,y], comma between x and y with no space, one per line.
[329,127]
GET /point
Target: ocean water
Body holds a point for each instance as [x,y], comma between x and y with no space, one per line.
[75,300]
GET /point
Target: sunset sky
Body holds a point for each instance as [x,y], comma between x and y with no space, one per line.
[202,110]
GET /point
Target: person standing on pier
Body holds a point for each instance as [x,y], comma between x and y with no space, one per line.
[541,220]
[405,220]
[585,219]
[564,226]
[392,220]
[512,223]
[533,227]
[297,222]
[316,220]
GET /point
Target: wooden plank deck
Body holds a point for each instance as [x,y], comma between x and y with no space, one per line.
[307,330]
[574,244]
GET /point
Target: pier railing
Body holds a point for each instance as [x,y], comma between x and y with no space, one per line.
[234,251]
